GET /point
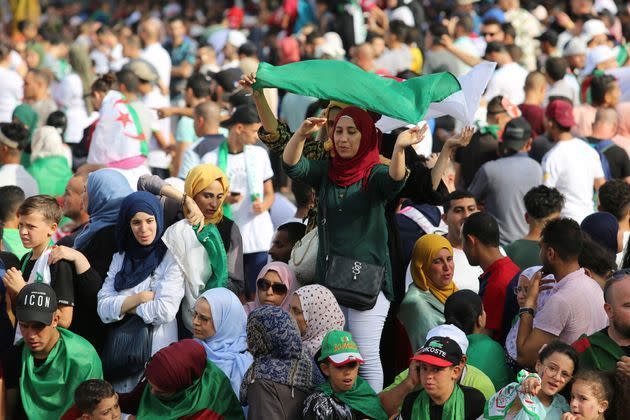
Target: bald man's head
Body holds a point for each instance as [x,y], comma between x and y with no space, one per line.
[207,118]
[535,80]
[606,123]
[150,30]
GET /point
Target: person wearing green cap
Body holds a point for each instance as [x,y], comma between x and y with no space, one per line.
[345,395]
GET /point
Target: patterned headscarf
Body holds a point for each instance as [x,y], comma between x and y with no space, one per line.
[274,340]
[321,313]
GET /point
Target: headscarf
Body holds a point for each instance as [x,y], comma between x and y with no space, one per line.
[140,261]
[199,178]
[289,50]
[321,313]
[227,348]
[603,228]
[48,142]
[38,49]
[286,276]
[82,65]
[424,252]
[274,341]
[344,172]
[27,115]
[106,189]
[177,366]
[198,385]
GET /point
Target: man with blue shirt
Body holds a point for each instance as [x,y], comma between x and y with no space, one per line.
[503,183]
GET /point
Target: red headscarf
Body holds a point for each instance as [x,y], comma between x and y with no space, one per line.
[176,367]
[344,172]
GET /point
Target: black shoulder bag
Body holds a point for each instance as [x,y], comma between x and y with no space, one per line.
[354,283]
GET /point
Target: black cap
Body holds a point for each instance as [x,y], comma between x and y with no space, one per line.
[440,351]
[36,302]
[549,36]
[228,79]
[516,133]
[244,114]
[239,98]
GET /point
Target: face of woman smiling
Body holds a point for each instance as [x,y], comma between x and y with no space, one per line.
[347,138]
[144,228]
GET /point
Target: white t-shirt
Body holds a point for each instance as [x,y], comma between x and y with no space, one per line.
[282,211]
[572,166]
[11,92]
[14,174]
[161,60]
[509,81]
[256,229]
[71,102]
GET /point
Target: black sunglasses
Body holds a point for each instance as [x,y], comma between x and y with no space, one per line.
[278,288]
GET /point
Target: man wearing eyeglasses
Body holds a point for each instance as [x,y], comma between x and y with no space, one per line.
[577,304]
[609,348]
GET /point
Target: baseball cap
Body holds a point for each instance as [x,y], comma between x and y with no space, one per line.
[516,133]
[236,38]
[143,70]
[596,56]
[575,46]
[440,351]
[549,36]
[228,78]
[243,114]
[452,332]
[561,112]
[36,302]
[339,348]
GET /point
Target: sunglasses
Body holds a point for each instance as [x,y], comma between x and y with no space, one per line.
[277,288]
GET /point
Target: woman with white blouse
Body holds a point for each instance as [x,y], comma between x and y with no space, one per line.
[143,279]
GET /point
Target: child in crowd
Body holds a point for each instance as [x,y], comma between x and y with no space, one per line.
[38,217]
[438,366]
[592,395]
[97,400]
[537,395]
[345,395]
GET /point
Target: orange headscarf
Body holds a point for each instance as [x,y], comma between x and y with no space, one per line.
[424,252]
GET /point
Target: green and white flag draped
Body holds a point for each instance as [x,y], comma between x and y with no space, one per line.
[400,102]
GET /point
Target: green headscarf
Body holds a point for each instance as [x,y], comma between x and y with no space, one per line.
[27,116]
[361,398]
[48,390]
[453,407]
[211,240]
[38,49]
[211,392]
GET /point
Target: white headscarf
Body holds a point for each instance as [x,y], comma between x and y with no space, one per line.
[48,142]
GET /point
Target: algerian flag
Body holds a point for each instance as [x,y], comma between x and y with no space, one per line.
[400,102]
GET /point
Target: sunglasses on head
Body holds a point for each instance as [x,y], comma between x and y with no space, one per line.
[277,288]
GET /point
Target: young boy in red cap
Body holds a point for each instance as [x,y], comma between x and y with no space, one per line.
[437,366]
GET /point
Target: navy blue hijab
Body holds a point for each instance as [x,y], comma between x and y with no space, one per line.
[140,261]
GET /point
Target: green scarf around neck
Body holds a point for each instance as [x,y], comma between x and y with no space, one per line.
[453,407]
[211,392]
[361,398]
[491,129]
[48,390]
[210,239]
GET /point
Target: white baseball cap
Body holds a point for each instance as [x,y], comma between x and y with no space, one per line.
[452,332]
[592,28]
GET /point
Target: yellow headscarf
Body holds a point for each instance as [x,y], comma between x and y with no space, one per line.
[328,144]
[198,180]
[424,252]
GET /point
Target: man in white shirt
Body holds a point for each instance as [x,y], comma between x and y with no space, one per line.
[13,138]
[509,79]
[153,51]
[11,85]
[108,54]
[571,166]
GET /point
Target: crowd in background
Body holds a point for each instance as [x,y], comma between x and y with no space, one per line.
[200,219]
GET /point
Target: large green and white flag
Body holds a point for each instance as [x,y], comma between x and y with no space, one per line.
[400,102]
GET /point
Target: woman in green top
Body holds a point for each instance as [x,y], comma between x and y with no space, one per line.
[51,161]
[354,187]
[464,309]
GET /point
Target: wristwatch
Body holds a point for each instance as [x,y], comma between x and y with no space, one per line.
[526,311]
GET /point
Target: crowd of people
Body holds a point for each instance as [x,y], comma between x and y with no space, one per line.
[317,209]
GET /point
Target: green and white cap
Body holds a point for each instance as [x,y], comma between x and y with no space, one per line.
[339,348]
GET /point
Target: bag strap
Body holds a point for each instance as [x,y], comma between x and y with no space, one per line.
[324,213]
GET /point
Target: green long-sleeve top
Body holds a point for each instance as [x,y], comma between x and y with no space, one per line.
[356,226]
